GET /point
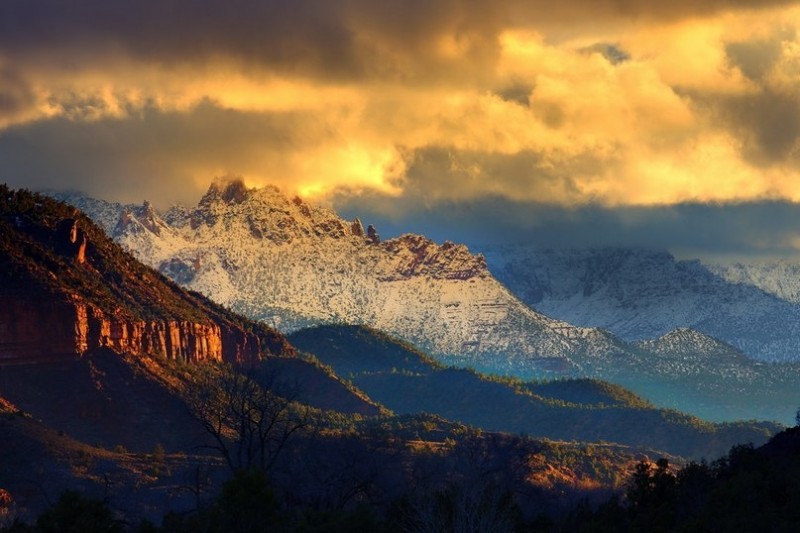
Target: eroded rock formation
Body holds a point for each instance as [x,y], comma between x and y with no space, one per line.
[36,330]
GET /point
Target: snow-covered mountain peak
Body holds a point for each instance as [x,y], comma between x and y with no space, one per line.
[266,213]
[229,210]
[687,341]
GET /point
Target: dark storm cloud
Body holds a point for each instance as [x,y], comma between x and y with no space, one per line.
[111,90]
[755,58]
[765,120]
[612,52]
[690,230]
[16,96]
[768,123]
[518,92]
[332,38]
[340,38]
[438,172]
[145,157]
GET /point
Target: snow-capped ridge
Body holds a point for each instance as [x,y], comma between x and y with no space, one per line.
[268,214]
[685,341]
[641,294]
[780,278]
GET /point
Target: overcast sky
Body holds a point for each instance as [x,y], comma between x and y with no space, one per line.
[583,122]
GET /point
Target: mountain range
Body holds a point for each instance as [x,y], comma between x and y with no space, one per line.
[290,264]
[408,381]
[638,294]
[101,358]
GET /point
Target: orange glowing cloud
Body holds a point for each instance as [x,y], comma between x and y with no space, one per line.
[580,104]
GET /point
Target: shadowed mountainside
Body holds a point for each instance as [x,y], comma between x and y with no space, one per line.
[408,381]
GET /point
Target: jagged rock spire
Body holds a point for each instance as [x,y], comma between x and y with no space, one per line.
[358,228]
[372,234]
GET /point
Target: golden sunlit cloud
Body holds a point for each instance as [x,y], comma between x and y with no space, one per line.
[667,105]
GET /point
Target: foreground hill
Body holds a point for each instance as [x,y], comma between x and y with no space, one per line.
[407,381]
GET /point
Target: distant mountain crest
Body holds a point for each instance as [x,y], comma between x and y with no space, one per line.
[639,294]
[266,212]
[688,342]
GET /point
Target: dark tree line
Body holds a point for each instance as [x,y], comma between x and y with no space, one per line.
[749,489]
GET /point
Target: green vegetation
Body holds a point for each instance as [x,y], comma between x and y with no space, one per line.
[352,350]
[587,392]
[316,384]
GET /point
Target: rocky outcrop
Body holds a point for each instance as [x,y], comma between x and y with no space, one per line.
[72,240]
[416,255]
[149,218]
[138,219]
[124,221]
[233,191]
[38,330]
[357,228]
[372,235]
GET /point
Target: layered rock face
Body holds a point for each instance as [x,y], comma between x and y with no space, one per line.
[41,329]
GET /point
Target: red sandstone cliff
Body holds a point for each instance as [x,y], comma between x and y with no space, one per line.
[38,330]
[66,289]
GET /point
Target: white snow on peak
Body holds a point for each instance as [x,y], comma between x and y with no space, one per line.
[780,278]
